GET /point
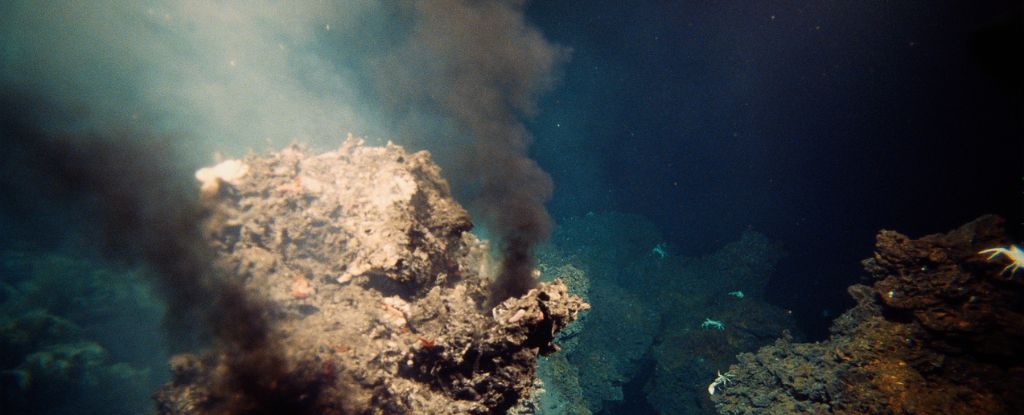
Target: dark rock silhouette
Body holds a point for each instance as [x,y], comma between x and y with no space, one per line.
[938,331]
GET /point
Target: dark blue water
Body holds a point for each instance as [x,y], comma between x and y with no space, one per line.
[713,163]
[816,123]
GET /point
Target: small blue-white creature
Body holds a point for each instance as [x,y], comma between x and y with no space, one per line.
[715,324]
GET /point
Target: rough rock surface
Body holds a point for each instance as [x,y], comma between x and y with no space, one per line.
[643,348]
[939,331]
[375,286]
[62,348]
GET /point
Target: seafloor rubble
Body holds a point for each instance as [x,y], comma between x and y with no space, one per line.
[375,286]
[643,349]
[62,348]
[940,330]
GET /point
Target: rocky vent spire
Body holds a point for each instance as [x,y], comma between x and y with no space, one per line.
[373,287]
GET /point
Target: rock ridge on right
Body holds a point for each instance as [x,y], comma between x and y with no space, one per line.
[940,330]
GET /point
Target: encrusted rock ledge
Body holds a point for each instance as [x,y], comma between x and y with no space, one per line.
[939,331]
[373,285]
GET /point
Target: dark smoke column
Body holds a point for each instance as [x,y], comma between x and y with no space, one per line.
[481,67]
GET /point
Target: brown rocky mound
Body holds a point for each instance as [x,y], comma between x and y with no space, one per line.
[373,287]
[939,332]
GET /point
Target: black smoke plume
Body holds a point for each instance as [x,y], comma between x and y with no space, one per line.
[480,66]
[128,192]
[227,77]
[184,79]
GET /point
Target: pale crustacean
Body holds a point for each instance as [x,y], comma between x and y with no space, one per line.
[722,380]
[1012,252]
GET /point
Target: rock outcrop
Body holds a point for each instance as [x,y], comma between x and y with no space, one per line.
[374,287]
[938,331]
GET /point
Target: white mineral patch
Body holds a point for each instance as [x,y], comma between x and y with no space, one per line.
[311,185]
[394,187]
[229,171]
[519,315]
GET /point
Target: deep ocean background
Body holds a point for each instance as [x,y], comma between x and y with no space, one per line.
[698,148]
[816,123]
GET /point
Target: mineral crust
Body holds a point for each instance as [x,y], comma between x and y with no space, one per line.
[374,286]
[939,331]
